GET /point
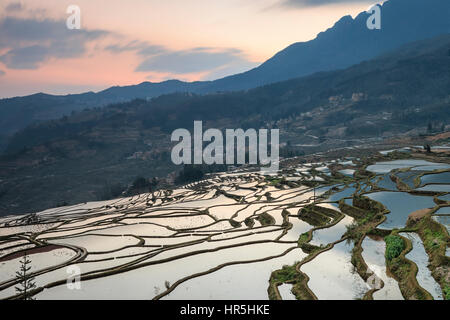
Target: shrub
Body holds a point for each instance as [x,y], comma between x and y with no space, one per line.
[303,237]
[287,273]
[394,246]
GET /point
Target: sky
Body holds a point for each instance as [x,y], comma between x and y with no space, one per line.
[128,42]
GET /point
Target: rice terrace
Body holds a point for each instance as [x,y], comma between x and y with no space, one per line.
[224,159]
[347,228]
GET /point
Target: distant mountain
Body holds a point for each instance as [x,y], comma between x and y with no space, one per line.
[77,158]
[347,43]
[16,113]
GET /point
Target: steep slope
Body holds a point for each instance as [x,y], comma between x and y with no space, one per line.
[74,159]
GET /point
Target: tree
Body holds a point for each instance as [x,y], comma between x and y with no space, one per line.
[26,283]
[190,173]
[154,183]
[142,185]
[139,183]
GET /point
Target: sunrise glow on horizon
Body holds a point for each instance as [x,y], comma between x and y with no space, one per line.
[125,43]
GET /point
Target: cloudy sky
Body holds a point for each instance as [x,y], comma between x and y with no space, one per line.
[127,42]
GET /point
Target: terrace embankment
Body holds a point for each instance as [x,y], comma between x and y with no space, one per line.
[435,238]
[403,269]
[368,215]
[292,274]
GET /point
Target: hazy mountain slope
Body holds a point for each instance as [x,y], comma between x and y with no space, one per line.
[348,42]
[16,113]
[74,159]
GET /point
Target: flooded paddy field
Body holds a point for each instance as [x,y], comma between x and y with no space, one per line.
[318,230]
[400,205]
[420,258]
[373,254]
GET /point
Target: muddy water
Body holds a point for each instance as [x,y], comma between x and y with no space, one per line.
[373,255]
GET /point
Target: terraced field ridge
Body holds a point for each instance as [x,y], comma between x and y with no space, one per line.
[353,228]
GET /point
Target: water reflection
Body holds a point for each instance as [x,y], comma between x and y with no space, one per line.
[401,204]
[419,256]
[332,276]
[373,255]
